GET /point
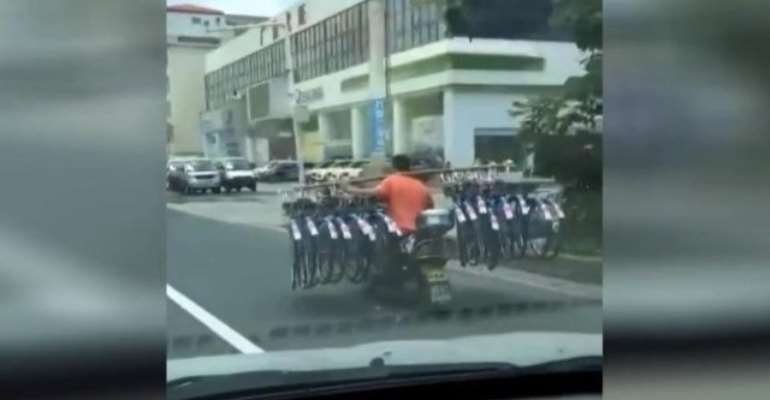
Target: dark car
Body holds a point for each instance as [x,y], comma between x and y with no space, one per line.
[236,174]
[282,171]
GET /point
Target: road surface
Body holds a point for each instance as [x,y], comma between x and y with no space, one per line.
[229,292]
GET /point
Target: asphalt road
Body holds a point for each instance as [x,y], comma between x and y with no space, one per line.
[239,276]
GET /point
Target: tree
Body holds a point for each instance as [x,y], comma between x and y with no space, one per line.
[580,104]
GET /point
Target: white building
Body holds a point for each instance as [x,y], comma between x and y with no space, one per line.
[449,96]
[191,32]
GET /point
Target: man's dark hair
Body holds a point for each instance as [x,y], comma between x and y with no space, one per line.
[402,162]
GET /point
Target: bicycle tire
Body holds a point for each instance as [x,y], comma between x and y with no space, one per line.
[327,253]
[358,249]
[310,271]
[297,259]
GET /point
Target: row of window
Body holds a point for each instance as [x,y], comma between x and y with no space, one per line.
[338,42]
[413,24]
[205,22]
[264,64]
[342,40]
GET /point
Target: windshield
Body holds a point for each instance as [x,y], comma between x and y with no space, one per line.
[200,165]
[288,258]
[237,164]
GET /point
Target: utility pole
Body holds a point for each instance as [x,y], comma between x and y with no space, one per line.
[378,80]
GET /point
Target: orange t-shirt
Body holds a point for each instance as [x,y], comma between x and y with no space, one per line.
[406,197]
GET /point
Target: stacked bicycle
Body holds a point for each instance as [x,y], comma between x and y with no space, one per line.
[499,219]
[337,238]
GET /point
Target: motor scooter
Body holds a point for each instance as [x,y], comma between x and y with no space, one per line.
[416,269]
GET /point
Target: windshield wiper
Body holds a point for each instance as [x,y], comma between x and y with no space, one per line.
[377,375]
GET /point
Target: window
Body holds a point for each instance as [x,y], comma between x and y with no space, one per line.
[206,23]
[288,21]
[196,20]
[301,15]
[262,36]
[275,32]
[218,21]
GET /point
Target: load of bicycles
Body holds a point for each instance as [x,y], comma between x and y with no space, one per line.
[339,238]
[502,220]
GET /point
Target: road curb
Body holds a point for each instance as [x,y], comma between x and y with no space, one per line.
[562,286]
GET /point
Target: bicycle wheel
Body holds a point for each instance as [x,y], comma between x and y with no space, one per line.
[310,270]
[297,256]
[462,252]
[326,257]
[472,249]
[492,243]
[358,250]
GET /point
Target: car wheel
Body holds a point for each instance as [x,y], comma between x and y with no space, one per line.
[253,187]
[217,190]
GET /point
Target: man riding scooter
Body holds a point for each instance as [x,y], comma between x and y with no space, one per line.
[408,204]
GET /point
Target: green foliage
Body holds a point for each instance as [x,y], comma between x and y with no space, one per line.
[581,101]
[584,18]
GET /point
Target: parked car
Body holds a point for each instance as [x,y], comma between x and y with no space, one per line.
[236,173]
[334,171]
[282,171]
[193,176]
[352,171]
[318,173]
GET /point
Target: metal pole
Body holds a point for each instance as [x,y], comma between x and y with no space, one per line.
[293,103]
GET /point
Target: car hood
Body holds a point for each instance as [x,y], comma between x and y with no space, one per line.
[520,349]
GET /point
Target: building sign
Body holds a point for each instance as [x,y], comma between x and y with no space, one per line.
[309,96]
[378,129]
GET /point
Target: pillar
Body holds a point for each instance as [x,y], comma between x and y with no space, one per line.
[459,145]
[325,131]
[250,147]
[401,128]
[359,132]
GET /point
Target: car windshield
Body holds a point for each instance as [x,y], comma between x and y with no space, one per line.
[286,265]
[201,165]
[237,164]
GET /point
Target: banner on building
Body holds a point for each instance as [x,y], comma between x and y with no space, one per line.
[378,129]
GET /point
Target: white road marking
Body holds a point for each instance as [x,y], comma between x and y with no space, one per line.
[228,334]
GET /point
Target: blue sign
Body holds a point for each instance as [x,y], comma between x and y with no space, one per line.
[378,128]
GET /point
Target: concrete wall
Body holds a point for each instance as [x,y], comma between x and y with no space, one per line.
[465,110]
[186,96]
[180,24]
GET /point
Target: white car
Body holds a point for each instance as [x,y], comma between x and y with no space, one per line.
[352,171]
[319,173]
[335,171]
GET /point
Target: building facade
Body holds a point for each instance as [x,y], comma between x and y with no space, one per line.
[191,32]
[444,96]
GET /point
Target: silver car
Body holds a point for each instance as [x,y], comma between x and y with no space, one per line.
[194,176]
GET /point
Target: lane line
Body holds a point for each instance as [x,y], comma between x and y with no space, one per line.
[225,332]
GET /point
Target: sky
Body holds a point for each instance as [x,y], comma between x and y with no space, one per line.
[266,8]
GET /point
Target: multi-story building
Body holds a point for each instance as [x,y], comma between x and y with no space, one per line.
[191,32]
[449,96]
